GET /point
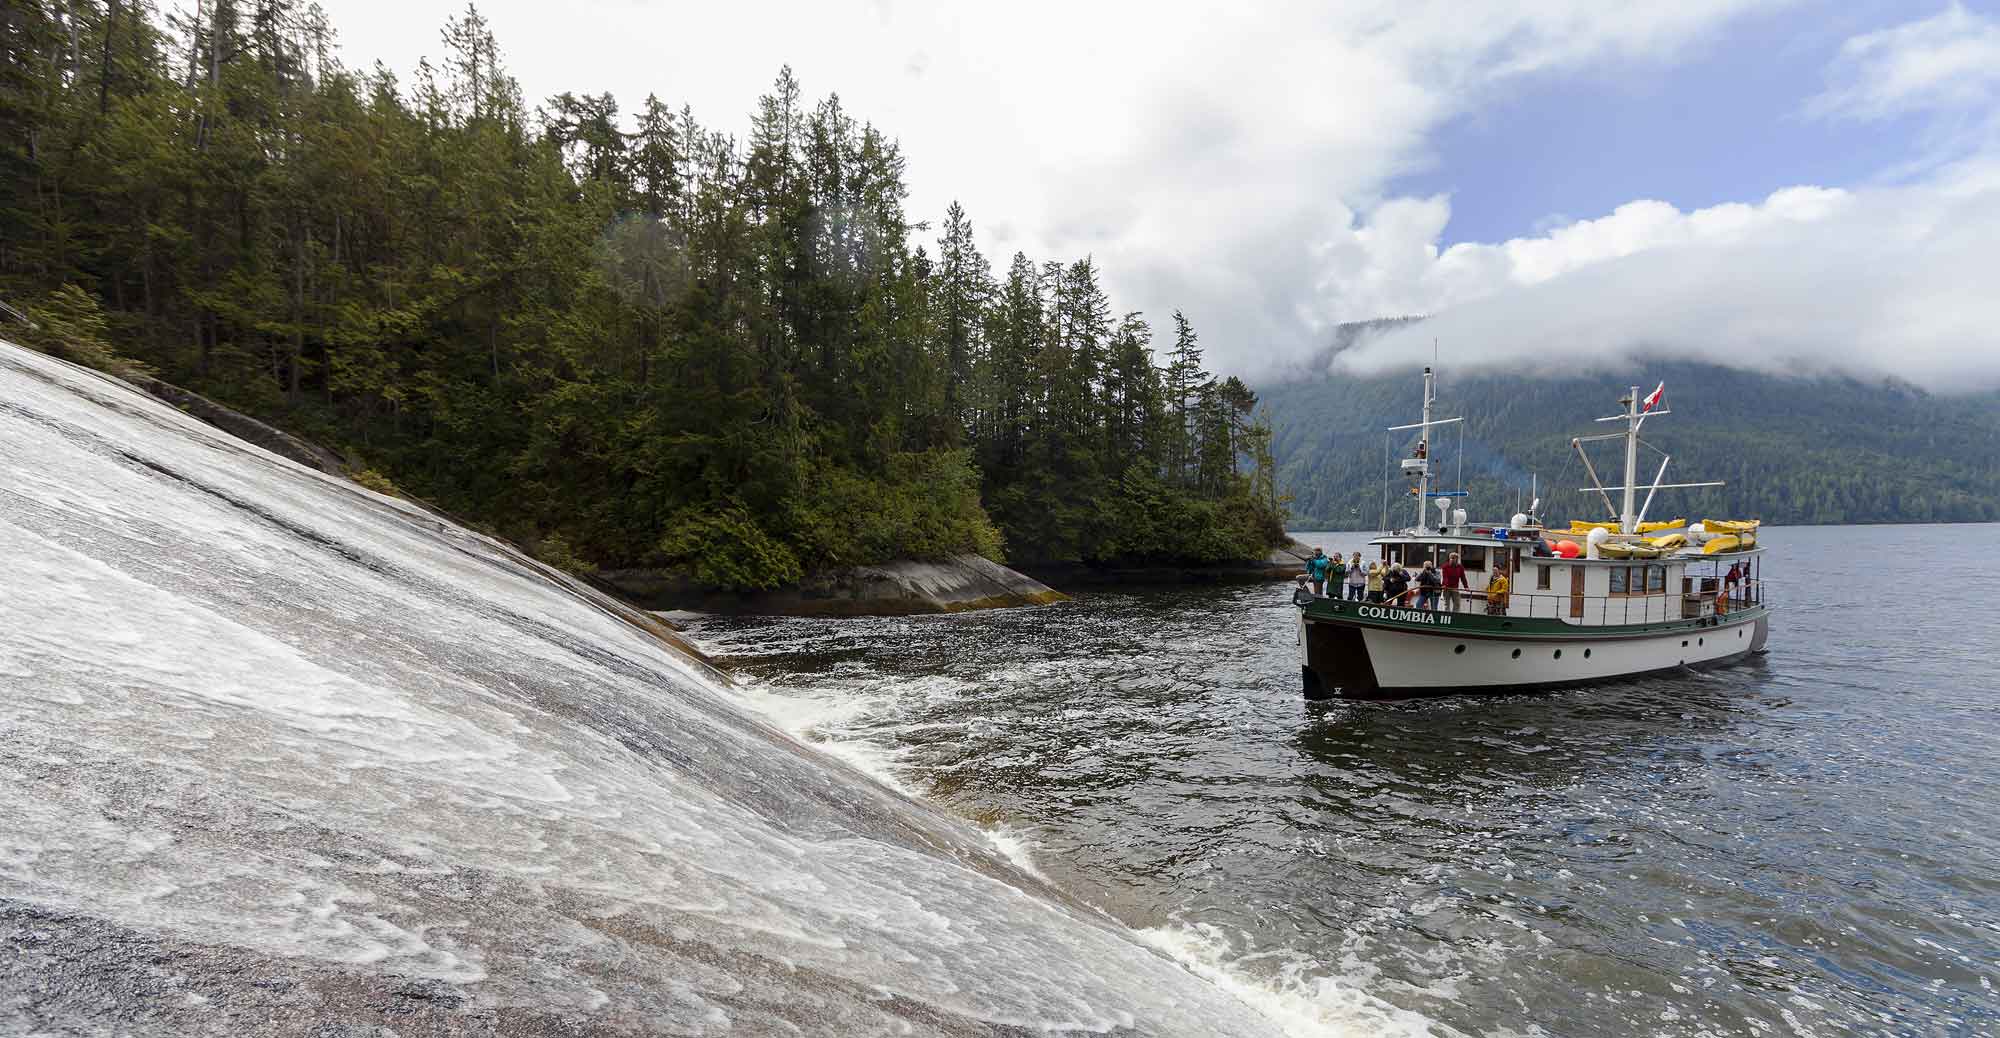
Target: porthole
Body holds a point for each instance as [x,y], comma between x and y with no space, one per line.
[1586,654]
[1739,634]
[1559,654]
[1458,650]
[1684,643]
[1517,654]
[1701,641]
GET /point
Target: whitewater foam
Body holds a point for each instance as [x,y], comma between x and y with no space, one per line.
[859,715]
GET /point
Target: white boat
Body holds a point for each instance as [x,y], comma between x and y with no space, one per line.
[1588,620]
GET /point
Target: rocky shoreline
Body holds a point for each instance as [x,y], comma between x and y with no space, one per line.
[1279,564]
[905,588]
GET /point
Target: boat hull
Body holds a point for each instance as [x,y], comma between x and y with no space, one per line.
[1351,659]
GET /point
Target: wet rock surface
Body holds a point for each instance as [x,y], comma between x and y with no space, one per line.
[281,756]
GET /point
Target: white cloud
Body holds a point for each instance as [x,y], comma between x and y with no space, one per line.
[1950,60]
[1881,281]
[1884,280]
[1204,152]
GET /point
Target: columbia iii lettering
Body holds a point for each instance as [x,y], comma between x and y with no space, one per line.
[1408,616]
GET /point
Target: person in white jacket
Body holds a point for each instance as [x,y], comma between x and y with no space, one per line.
[1357,578]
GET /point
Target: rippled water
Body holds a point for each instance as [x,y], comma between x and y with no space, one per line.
[1804,844]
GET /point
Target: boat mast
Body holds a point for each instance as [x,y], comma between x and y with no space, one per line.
[1628,521]
[1633,417]
[1424,452]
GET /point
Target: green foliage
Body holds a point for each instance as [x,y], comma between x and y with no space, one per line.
[70,324]
[637,346]
[727,549]
[924,506]
[375,481]
[555,550]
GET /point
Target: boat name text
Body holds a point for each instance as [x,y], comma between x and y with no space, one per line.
[1408,616]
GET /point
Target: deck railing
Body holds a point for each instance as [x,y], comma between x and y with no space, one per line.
[1705,598]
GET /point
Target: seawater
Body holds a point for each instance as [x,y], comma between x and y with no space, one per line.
[1805,844]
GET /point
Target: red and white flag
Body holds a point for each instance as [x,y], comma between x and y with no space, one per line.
[1652,399]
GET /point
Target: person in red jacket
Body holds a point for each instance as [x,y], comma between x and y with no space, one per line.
[1454,579]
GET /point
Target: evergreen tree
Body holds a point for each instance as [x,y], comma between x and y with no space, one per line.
[651,346]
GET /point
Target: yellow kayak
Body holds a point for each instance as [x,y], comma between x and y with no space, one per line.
[1730,525]
[1668,541]
[1585,526]
[1718,545]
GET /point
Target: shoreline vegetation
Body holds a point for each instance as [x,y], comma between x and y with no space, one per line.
[661,348]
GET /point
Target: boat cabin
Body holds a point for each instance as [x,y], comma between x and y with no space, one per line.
[1583,591]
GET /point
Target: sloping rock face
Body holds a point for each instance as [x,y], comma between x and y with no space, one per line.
[246,428]
[282,756]
[951,585]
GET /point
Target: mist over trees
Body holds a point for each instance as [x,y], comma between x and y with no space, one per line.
[1792,450]
[662,345]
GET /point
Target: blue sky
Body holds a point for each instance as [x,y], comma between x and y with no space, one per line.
[1726,121]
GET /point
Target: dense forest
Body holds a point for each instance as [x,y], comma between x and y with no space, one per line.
[624,339]
[1791,449]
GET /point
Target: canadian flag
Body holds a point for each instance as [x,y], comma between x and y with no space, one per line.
[1653,399]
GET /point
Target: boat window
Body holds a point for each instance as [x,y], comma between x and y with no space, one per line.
[1656,580]
[1473,559]
[1621,580]
[1392,554]
[1542,578]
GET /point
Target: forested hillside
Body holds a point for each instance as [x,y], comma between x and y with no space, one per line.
[624,340]
[1792,450]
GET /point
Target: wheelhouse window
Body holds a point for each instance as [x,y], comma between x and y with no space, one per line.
[1473,559]
[1638,580]
[1543,575]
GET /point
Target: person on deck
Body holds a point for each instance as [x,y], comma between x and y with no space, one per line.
[1302,596]
[1731,579]
[1396,586]
[1336,572]
[1376,581]
[1428,583]
[1316,569]
[1496,592]
[1454,580]
[1357,578]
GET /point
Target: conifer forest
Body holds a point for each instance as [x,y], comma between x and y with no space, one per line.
[622,338]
